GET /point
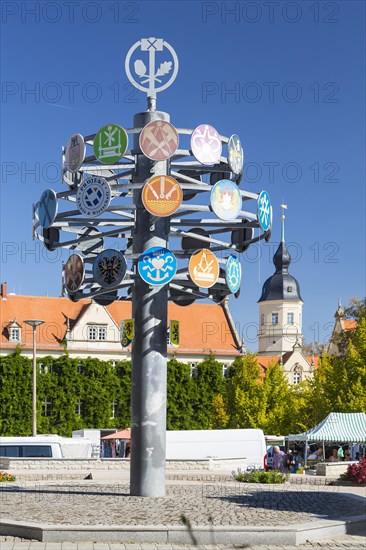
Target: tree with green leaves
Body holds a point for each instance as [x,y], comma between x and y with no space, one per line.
[208,383]
[339,383]
[245,403]
[179,396]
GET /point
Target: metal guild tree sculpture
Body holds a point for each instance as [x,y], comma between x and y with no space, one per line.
[171,198]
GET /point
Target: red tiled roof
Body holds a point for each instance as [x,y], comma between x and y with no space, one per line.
[202,327]
[350,324]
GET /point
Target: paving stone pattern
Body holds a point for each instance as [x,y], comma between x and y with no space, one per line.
[202,504]
[340,543]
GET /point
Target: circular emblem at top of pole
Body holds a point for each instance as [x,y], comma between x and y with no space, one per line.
[153,70]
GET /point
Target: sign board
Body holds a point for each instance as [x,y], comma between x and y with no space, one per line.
[174,333]
[235,155]
[206,144]
[127,332]
[75,153]
[47,209]
[159,140]
[74,272]
[109,268]
[93,196]
[226,200]
[233,274]
[162,195]
[204,268]
[157,266]
[264,210]
[110,143]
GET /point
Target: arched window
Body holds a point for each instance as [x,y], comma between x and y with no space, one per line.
[297,375]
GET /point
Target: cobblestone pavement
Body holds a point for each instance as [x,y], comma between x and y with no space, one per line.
[345,542]
[218,504]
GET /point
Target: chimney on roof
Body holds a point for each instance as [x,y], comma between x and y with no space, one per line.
[4,290]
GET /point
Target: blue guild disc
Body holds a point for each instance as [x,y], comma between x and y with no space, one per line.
[47,209]
[264,211]
[157,266]
[233,274]
[93,196]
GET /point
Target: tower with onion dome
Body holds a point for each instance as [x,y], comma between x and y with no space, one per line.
[280,306]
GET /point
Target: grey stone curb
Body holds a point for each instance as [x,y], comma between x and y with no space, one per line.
[165,534]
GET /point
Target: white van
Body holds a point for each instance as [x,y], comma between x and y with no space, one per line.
[45,446]
[247,445]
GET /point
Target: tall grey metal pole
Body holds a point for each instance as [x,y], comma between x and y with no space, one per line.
[149,353]
[34,394]
[34,323]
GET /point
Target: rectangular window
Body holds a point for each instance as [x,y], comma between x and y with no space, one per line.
[96,333]
[14,334]
[92,333]
[193,369]
[262,319]
[290,318]
[225,371]
[43,369]
[78,407]
[37,451]
[12,451]
[102,333]
[47,407]
[274,318]
[114,409]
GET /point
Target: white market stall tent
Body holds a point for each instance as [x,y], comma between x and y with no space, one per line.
[336,428]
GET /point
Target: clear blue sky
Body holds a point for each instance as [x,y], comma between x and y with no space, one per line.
[297,69]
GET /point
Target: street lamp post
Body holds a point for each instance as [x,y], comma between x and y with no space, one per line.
[34,323]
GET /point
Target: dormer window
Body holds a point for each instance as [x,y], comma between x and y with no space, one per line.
[289,289]
[15,332]
[97,333]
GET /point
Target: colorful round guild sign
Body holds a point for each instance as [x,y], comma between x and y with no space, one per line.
[206,144]
[264,210]
[226,200]
[204,268]
[74,271]
[93,196]
[157,266]
[233,274]
[162,195]
[75,153]
[159,140]
[109,268]
[47,209]
[110,143]
[235,155]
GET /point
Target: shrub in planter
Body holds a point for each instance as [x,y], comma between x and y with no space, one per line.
[6,476]
[356,472]
[258,476]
